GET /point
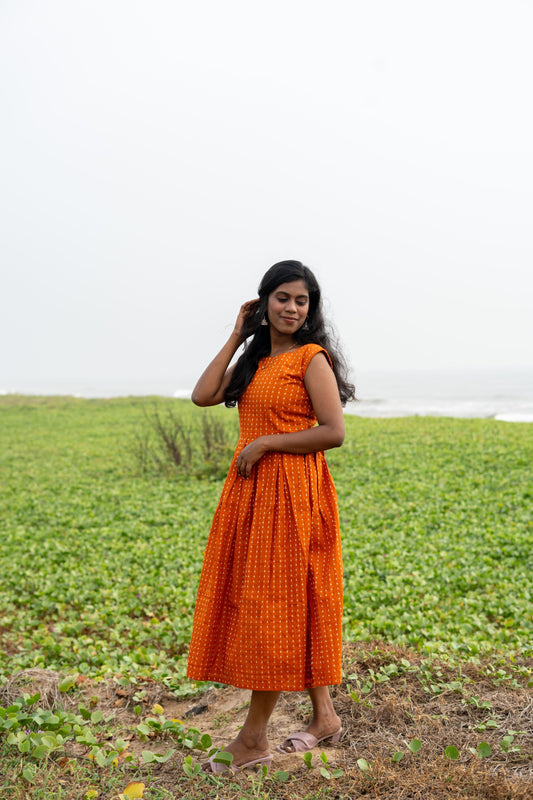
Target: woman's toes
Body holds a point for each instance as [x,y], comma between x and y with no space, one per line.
[286,746]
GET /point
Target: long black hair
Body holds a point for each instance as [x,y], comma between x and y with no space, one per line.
[314,331]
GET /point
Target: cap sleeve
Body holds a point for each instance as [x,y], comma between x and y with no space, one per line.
[309,351]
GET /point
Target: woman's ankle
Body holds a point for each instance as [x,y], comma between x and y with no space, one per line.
[252,740]
[325,722]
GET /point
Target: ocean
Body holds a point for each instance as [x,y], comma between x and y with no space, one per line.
[501,394]
[504,394]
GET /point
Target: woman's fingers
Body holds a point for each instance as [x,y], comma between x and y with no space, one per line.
[244,468]
[249,456]
[246,310]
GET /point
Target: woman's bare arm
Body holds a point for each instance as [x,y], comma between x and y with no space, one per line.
[322,388]
[212,383]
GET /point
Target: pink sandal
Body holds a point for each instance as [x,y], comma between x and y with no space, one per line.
[303,741]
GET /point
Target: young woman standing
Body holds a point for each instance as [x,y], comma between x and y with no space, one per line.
[269,609]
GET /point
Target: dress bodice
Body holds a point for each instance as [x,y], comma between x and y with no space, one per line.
[276,400]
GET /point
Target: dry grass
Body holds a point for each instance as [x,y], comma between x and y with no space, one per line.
[33,680]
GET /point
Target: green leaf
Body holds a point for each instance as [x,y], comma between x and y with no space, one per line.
[143,729]
[162,759]
[223,757]
[452,752]
[308,758]
[100,758]
[484,749]
[397,756]
[325,773]
[189,769]
[49,741]
[29,772]
[86,738]
[68,683]
[148,756]
[415,745]
[206,741]
[323,758]
[96,717]
[281,776]
[363,764]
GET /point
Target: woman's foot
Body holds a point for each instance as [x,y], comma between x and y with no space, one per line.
[245,749]
[243,753]
[251,744]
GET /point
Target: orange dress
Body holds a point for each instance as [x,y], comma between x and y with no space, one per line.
[268,614]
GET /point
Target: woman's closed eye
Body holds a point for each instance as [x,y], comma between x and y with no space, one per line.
[299,302]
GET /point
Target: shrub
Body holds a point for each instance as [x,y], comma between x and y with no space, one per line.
[172,443]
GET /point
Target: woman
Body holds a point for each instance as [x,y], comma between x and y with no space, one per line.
[269,608]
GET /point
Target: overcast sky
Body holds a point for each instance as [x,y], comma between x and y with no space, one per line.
[157,157]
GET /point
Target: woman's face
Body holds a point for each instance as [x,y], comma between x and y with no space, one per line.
[288,306]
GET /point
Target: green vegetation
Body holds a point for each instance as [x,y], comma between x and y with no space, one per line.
[438,532]
[100,563]
[103,530]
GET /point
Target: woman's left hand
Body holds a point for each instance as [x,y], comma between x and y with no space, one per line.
[249,456]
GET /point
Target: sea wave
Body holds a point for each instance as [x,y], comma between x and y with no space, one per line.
[504,409]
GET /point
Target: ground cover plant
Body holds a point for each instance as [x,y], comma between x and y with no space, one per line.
[103,529]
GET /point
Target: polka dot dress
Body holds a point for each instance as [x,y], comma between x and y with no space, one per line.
[269,608]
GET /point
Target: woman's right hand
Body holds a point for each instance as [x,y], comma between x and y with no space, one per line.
[247,310]
[212,383]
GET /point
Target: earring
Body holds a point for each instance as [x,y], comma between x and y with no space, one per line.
[305,326]
[264,321]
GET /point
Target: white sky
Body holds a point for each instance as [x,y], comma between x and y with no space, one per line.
[157,157]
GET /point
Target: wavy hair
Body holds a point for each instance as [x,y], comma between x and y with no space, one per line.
[314,332]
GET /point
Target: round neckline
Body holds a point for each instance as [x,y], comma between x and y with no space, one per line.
[286,352]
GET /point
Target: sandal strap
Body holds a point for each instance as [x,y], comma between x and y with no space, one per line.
[307,739]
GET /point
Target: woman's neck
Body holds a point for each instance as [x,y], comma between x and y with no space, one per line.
[281,344]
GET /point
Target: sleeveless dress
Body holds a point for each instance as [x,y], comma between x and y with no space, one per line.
[268,614]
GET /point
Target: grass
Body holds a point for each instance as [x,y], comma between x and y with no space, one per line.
[101,549]
[437,525]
